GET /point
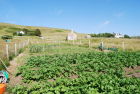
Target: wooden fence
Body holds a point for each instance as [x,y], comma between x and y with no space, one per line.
[89,43]
[11,48]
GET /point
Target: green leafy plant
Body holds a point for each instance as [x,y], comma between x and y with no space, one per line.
[80,73]
[5,37]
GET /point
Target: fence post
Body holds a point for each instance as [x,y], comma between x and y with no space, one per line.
[7,51]
[102,45]
[89,43]
[15,49]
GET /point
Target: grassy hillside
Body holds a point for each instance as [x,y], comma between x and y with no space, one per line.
[48,33]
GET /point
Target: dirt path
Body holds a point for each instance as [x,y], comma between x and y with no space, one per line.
[14,65]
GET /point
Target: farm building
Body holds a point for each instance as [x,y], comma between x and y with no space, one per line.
[20,32]
[118,35]
[72,36]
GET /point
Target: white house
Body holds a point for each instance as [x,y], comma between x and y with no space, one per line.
[118,35]
[20,32]
[72,36]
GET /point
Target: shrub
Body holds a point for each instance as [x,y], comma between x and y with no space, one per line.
[102,35]
[6,62]
[6,37]
[37,32]
[126,36]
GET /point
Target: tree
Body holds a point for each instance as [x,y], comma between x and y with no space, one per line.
[37,32]
[93,35]
[102,35]
[126,36]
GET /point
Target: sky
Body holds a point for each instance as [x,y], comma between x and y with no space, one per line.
[83,16]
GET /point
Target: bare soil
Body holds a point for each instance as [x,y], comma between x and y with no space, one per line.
[132,72]
[51,80]
[74,76]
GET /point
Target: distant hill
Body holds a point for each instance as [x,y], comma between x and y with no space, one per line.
[49,33]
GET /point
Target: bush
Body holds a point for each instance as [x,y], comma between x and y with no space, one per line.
[37,32]
[6,37]
[28,32]
[102,35]
[11,57]
[21,50]
[6,62]
[126,36]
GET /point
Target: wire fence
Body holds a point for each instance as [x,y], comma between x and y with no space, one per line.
[90,44]
[13,48]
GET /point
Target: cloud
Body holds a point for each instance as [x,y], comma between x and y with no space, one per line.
[106,22]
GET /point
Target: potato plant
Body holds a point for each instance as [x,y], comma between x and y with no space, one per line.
[81,73]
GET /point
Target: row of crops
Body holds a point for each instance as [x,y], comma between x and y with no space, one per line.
[81,73]
[57,49]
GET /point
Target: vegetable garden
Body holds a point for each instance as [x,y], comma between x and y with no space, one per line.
[79,73]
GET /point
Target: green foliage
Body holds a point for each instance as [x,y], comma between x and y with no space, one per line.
[95,72]
[21,50]
[11,57]
[6,37]
[126,36]
[25,30]
[102,35]
[28,32]
[36,48]
[6,62]
[37,32]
